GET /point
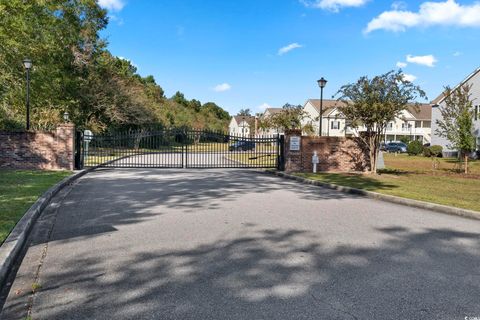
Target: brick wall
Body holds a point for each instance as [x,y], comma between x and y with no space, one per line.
[336,154]
[38,150]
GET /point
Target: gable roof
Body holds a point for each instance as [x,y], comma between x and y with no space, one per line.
[422,112]
[442,97]
[328,105]
[273,110]
[250,120]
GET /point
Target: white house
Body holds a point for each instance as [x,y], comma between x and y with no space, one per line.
[474,81]
[414,123]
[242,126]
[270,131]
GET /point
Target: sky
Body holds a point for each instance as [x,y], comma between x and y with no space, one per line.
[264,53]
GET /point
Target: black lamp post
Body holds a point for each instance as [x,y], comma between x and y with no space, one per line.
[27,63]
[321,83]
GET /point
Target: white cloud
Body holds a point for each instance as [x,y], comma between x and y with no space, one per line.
[333,5]
[401,65]
[399,5]
[288,48]
[126,59]
[222,87]
[446,13]
[112,5]
[428,60]
[409,77]
[457,54]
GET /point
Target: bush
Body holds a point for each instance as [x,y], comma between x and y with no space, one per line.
[433,151]
[414,148]
[405,139]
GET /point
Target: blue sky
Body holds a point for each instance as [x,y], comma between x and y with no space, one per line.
[254,53]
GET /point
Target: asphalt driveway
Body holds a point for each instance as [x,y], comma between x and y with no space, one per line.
[235,244]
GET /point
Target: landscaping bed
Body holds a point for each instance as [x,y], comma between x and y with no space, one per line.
[19,189]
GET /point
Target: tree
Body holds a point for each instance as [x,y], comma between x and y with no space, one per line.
[289,118]
[373,103]
[456,124]
[73,71]
[245,112]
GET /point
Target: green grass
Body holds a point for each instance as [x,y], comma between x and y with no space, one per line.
[19,190]
[424,165]
[414,178]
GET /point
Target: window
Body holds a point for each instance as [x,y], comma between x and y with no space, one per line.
[390,126]
[418,124]
[427,124]
[335,125]
[406,126]
[476,112]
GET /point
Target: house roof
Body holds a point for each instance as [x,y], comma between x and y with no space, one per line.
[273,110]
[328,105]
[441,97]
[249,119]
[422,112]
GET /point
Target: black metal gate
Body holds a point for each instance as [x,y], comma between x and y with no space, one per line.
[178,148]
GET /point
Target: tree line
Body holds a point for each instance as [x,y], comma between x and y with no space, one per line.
[74,72]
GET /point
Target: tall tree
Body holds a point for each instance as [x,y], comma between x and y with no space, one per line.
[373,103]
[73,71]
[456,124]
[245,112]
[61,38]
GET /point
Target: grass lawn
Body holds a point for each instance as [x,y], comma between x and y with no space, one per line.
[413,177]
[423,164]
[19,190]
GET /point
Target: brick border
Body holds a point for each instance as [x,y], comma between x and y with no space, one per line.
[470,214]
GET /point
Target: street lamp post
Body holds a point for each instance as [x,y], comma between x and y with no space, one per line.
[27,63]
[321,83]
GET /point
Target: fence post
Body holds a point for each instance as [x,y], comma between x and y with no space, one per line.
[78,150]
[281,156]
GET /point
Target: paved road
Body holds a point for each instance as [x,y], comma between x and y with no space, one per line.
[191,160]
[233,244]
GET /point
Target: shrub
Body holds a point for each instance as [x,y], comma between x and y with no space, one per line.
[415,148]
[405,140]
[433,151]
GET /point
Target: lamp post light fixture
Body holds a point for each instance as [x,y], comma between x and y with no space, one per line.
[321,83]
[27,63]
[66,116]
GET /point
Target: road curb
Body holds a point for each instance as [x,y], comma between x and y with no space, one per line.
[383,197]
[12,247]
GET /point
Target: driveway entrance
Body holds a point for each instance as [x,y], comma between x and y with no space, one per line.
[235,244]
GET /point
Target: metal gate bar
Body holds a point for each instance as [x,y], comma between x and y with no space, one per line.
[178,148]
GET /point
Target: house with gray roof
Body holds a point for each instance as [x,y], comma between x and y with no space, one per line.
[472,80]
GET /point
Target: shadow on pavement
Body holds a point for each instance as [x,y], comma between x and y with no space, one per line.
[111,198]
[256,273]
[281,274]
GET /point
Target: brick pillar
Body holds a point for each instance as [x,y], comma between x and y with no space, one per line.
[293,158]
[65,144]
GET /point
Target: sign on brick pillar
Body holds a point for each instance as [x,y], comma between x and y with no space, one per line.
[65,145]
[293,150]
